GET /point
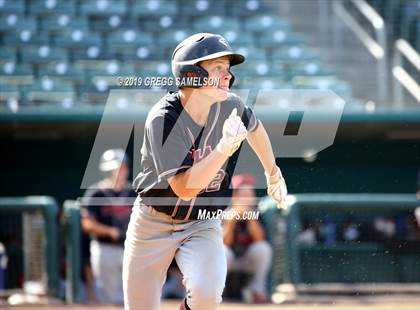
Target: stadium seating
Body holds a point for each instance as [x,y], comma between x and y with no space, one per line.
[216,24]
[42,8]
[7,54]
[200,8]
[12,73]
[24,37]
[10,96]
[247,8]
[103,8]
[77,38]
[48,90]
[43,54]
[84,46]
[293,54]
[154,8]
[13,22]
[250,52]
[91,53]
[59,23]
[64,71]
[266,22]
[16,7]
[170,38]
[129,38]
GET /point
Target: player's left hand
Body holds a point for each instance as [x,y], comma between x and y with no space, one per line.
[276,187]
[234,132]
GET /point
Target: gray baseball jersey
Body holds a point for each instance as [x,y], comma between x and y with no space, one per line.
[172,143]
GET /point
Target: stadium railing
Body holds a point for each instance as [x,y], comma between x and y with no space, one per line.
[358,261]
[47,255]
[71,224]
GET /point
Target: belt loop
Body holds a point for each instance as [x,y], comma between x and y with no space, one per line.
[190,208]
[174,212]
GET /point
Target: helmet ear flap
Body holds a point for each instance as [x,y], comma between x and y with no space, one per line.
[192,76]
[232,79]
[203,73]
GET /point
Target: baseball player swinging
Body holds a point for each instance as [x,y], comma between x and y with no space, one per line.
[189,137]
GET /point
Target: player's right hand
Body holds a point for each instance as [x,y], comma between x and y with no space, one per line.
[114,234]
[234,132]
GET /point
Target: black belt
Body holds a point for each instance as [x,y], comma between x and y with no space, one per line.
[178,212]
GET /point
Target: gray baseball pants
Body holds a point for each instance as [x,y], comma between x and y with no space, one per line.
[153,240]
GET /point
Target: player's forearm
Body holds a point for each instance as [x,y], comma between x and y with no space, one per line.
[228,232]
[260,143]
[256,230]
[189,183]
[92,227]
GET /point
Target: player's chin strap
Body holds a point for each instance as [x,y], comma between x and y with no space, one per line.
[184,305]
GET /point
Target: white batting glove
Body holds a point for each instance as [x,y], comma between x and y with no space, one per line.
[276,188]
[234,132]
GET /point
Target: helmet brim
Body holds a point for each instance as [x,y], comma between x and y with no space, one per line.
[236,59]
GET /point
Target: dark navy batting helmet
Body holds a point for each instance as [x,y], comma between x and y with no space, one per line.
[196,48]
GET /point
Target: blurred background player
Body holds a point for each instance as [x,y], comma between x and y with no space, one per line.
[108,205]
[3,265]
[245,240]
[417,210]
[173,287]
[88,282]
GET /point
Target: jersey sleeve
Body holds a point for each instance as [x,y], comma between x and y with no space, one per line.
[89,206]
[169,149]
[247,114]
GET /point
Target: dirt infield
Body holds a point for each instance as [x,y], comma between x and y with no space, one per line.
[228,307]
[352,303]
